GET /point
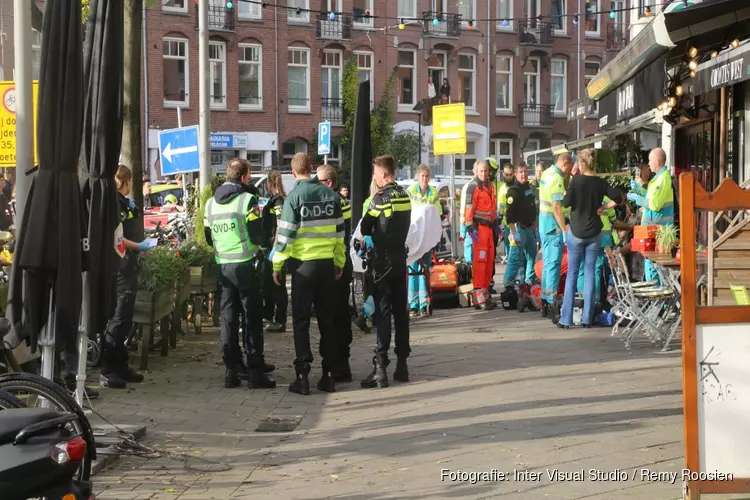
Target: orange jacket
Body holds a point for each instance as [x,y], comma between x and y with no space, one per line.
[481,203]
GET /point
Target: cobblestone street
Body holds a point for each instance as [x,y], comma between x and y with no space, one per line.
[491,392]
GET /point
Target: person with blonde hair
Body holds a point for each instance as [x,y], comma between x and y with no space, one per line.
[275,298]
[584,196]
[115,371]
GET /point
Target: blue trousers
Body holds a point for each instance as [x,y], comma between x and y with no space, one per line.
[552,252]
[599,274]
[581,252]
[521,255]
[419,296]
[506,241]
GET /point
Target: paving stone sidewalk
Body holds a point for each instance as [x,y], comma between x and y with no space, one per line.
[491,392]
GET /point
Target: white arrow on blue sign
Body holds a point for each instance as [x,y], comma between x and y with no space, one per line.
[179,150]
[324,138]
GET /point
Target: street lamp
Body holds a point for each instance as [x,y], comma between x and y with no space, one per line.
[419,107]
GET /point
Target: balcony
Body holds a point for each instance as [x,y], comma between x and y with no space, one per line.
[220,18]
[448,26]
[535,115]
[338,28]
[534,32]
[332,110]
[617,36]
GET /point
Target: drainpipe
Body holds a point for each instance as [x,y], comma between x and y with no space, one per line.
[581,20]
[489,53]
[144,45]
[276,69]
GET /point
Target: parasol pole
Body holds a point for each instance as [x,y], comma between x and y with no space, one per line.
[83,349]
[204,84]
[47,342]
[24,105]
[454,213]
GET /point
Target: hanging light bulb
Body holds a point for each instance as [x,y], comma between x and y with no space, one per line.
[401,24]
[367,12]
[735,43]
[648,11]
[672,102]
[693,52]
[298,11]
[612,14]
[332,16]
[679,90]
[692,74]
[471,24]
[693,65]
[505,22]
[230,5]
[435,21]
[575,19]
[714,53]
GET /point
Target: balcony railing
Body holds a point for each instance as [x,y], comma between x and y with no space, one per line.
[448,26]
[534,32]
[617,36]
[535,115]
[332,110]
[220,18]
[336,27]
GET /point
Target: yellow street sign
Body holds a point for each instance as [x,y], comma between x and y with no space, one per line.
[8,124]
[449,129]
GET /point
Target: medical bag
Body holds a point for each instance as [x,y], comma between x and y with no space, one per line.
[509,298]
[444,277]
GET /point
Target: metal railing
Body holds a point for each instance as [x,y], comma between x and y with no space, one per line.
[534,32]
[334,27]
[535,115]
[220,18]
[332,110]
[617,36]
[448,26]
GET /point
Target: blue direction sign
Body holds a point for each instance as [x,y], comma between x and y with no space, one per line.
[324,138]
[179,150]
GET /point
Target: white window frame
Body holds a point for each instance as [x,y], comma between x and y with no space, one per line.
[336,54]
[502,159]
[371,70]
[287,159]
[508,16]
[366,22]
[296,108]
[509,109]
[255,11]
[473,105]
[443,69]
[533,140]
[467,160]
[291,14]
[535,6]
[639,8]
[413,8]
[186,101]
[597,8]
[439,6]
[587,79]
[170,8]
[211,61]
[259,63]
[538,77]
[471,15]
[564,75]
[621,14]
[408,107]
[563,17]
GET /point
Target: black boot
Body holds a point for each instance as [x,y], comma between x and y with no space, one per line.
[259,380]
[267,367]
[131,375]
[401,373]
[343,373]
[111,367]
[378,377]
[326,383]
[301,384]
[545,309]
[231,379]
[554,312]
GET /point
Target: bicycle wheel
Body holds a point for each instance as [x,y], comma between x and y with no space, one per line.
[27,387]
[8,401]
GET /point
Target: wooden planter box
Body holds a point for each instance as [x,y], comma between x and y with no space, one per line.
[203,280]
[181,296]
[151,307]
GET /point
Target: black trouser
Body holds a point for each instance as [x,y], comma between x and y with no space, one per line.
[114,354]
[240,291]
[343,316]
[391,298]
[312,284]
[275,298]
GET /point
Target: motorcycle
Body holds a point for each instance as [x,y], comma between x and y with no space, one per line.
[40,455]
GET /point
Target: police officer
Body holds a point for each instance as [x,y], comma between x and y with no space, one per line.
[234,228]
[115,372]
[311,240]
[520,216]
[342,372]
[387,220]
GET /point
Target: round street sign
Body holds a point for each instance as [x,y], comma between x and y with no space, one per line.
[9,100]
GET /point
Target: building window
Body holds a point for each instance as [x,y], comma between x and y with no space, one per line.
[217,59]
[407,68]
[591,69]
[175,71]
[255,158]
[466,77]
[437,70]
[407,8]
[642,5]
[531,82]
[332,109]
[559,89]
[505,15]
[360,9]
[291,148]
[299,15]
[532,145]
[36,53]
[592,17]
[299,79]
[502,151]
[251,76]
[468,10]
[504,84]
[335,156]
[559,21]
[466,162]
[247,10]
[365,72]
[220,158]
[174,5]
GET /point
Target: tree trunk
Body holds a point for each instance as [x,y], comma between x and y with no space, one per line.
[132,147]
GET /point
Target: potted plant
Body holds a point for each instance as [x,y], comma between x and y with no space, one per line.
[667,238]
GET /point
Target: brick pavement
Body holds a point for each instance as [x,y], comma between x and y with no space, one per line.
[490,391]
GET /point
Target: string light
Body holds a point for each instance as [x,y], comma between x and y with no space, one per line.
[693,65]
[471,24]
[672,102]
[693,52]
[230,5]
[435,22]
[401,24]
[679,90]
[648,11]
[505,22]
[714,54]
[692,74]
[332,16]
[575,19]
[735,43]
[612,15]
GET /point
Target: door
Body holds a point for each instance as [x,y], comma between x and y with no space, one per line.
[331,85]
[437,70]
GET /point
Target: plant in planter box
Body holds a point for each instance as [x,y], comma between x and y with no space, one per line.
[197,255]
[160,268]
[667,238]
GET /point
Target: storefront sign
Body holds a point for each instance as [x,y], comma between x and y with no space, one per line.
[626,101]
[229,141]
[723,71]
